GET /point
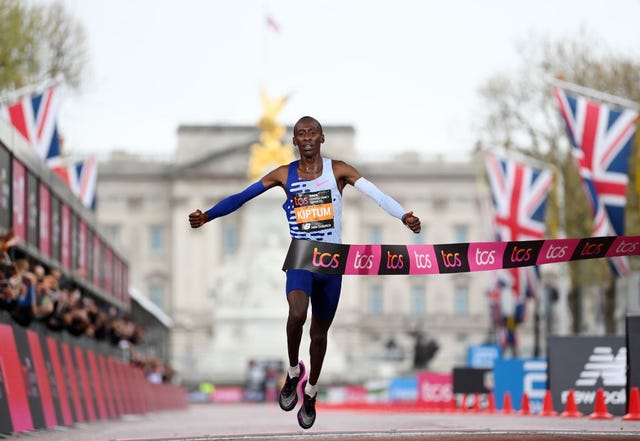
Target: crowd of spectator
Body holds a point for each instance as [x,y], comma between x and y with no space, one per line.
[31,292]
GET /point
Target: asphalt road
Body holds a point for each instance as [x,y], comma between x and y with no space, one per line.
[249,422]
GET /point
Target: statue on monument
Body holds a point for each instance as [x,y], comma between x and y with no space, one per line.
[269,152]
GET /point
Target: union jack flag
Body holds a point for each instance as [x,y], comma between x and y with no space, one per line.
[34,117]
[601,139]
[81,177]
[519,193]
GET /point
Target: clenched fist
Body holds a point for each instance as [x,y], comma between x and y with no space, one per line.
[412,222]
[197,219]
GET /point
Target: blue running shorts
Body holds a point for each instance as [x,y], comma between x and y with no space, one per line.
[322,289]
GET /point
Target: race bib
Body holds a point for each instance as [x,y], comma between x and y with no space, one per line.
[314,211]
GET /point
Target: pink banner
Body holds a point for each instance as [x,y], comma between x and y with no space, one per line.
[558,250]
[117,279]
[108,271]
[485,256]
[362,259]
[82,248]
[125,285]
[65,236]
[97,261]
[45,220]
[422,259]
[624,246]
[435,389]
[19,193]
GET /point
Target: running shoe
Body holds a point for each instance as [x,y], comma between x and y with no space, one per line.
[289,393]
[307,412]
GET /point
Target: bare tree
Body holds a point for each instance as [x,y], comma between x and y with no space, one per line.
[520,114]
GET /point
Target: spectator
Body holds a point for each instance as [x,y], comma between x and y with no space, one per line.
[57,301]
[155,372]
[8,292]
[45,289]
[24,281]
[98,327]
[55,321]
[76,319]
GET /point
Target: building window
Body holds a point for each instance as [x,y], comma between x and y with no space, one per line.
[374,300]
[418,300]
[156,239]
[375,234]
[230,238]
[461,300]
[157,293]
[461,233]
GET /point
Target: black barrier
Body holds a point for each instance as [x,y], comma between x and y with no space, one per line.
[472,380]
[586,364]
[633,352]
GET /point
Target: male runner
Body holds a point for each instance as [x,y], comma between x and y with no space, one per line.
[313,186]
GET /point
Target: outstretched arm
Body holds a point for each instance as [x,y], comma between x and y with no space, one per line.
[227,205]
[233,202]
[388,204]
[347,174]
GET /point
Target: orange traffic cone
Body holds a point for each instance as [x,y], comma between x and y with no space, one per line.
[463,405]
[600,411]
[453,404]
[634,406]
[525,408]
[507,407]
[547,405]
[477,408]
[491,403]
[571,409]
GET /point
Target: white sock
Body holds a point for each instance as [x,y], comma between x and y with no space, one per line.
[311,389]
[294,371]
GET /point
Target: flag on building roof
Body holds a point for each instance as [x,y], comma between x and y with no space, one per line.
[81,177]
[601,138]
[519,194]
[34,117]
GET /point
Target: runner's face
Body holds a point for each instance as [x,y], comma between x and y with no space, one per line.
[308,137]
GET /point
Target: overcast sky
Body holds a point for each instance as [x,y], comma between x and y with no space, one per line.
[404,73]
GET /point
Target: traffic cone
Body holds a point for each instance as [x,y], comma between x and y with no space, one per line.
[571,409]
[600,411]
[634,406]
[477,408]
[547,405]
[453,404]
[491,403]
[525,408]
[507,407]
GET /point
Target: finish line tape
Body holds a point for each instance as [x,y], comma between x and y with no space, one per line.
[331,258]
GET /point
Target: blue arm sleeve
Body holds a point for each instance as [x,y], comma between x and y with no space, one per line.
[233,202]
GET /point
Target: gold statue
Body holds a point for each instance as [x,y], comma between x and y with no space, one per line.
[270,151]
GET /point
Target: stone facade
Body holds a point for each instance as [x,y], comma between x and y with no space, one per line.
[223,286]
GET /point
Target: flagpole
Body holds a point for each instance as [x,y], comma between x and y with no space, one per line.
[602,96]
[15,95]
